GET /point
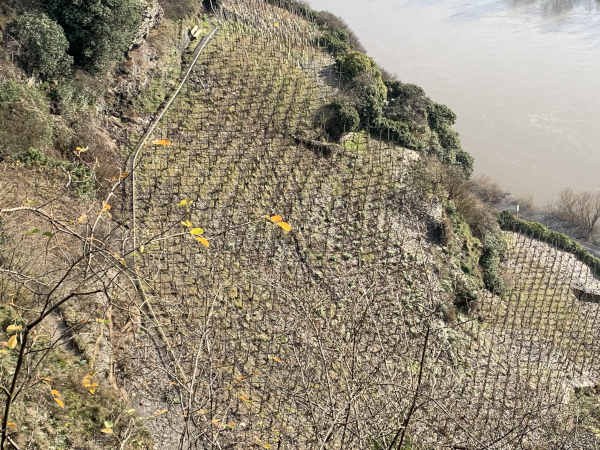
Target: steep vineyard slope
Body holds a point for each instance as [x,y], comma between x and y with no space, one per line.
[254,286]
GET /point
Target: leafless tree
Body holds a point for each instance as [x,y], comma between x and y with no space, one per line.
[581,208]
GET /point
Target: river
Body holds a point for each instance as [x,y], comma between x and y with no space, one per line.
[523,76]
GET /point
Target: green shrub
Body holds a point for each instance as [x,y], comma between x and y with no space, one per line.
[339,117]
[98,31]
[356,63]
[395,131]
[82,177]
[43,46]
[25,120]
[336,42]
[494,248]
[331,24]
[74,96]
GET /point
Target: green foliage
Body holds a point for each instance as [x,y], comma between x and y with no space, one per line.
[339,117]
[494,248]
[72,97]
[395,131]
[25,119]
[336,42]
[356,63]
[82,176]
[43,46]
[98,31]
[509,222]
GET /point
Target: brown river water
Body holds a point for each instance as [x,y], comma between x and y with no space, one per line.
[523,76]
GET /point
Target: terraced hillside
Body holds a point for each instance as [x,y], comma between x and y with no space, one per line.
[323,335]
[253,286]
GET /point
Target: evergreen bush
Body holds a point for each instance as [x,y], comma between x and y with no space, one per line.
[43,46]
[98,31]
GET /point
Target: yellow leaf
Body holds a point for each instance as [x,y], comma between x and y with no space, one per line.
[197,231]
[203,241]
[92,391]
[94,385]
[11,425]
[123,262]
[106,207]
[82,218]
[160,412]
[12,328]
[267,446]
[276,24]
[204,411]
[286,226]
[276,219]
[55,393]
[124,175]
[106,430]
[161,142]
[47,379]
[12,342]
[182,203]
[277,359]
[244,399]
[186,223]
[80,149]
[237,380]
[60,402]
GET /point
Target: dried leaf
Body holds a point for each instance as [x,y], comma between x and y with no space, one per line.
[60,402]
[277,359]
[82,218]
[203,241]
[276,219]
[245,399]
[197,231]
[124,175]
[106,207]
[106,430]
[47,379]
[12,342]
[11,425]
[160,412]
[186,223]
[161,142]
[276,24]
[286,226]
[237,380]
[55,393]
[204,411]
[11,328]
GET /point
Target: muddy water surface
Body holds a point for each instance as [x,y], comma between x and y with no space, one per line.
[523,77]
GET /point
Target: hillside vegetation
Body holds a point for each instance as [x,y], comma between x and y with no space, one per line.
[294,259]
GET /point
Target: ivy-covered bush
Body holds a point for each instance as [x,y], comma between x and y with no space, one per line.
[395,131]
[494,248]
[339,117]
[43,50]
[363,82]
[98,31]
